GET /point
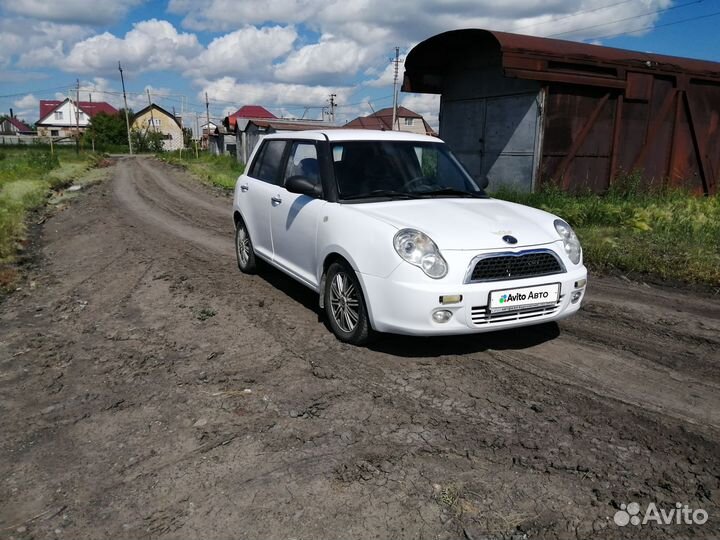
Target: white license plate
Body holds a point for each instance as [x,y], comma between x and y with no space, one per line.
[524,298]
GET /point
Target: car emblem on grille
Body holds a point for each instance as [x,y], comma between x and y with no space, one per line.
[508,239]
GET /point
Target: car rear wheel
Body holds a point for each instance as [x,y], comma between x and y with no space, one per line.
[345,305]
[244,249]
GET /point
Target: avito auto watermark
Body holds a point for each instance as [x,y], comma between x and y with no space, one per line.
[680,514]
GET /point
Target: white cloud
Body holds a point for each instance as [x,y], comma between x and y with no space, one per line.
[70,11]
[331,60]
[26,102]
[270,94]
[238,52]
[223,15]
[150,46]
[21,37]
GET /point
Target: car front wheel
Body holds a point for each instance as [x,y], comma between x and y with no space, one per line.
[345,305]
[244,249]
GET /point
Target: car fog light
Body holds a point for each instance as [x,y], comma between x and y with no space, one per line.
[575,297]
[442,316]
[579,284]
[451,299]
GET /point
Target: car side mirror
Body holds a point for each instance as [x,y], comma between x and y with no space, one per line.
[303,185]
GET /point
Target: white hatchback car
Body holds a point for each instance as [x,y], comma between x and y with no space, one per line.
[396,236]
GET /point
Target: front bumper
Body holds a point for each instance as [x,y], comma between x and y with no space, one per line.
[404,302]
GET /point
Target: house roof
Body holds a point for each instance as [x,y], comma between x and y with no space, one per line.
[248,111]
[158,108]
[289,125]
[382,119]
[20,126]
[253,111]
[91,108]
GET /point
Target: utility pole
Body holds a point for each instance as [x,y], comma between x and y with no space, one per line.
[395,85]
[332,108]
[207,114]
[92,129]
[152,118]
[77,117]
[127,117]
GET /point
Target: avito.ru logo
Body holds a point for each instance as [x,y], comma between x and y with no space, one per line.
[631,514]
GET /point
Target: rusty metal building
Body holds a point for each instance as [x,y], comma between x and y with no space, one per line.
[522,110]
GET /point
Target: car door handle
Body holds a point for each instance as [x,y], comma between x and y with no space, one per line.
[276,200]
[244,187]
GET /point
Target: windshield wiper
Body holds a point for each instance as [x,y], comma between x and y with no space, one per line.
[456,192]
[377,193]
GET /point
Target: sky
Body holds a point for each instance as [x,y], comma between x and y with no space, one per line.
[290,55]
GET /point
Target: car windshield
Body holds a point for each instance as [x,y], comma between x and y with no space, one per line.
[399,170]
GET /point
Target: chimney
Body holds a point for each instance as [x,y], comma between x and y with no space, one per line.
[11,113]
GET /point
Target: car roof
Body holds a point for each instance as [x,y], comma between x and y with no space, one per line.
[337,135]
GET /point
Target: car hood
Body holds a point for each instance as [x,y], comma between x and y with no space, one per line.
[467,224]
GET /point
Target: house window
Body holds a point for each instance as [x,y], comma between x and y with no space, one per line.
[58,115]
[409,121]
[155,122]
[54,132]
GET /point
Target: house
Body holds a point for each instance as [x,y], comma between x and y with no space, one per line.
[407,120]
[256,112]
[248,132]
[10,125]
[155,118]
[523,111]
[62,118]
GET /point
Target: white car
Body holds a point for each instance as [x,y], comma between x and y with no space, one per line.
[395,236]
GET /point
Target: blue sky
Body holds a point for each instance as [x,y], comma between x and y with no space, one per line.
[289,55]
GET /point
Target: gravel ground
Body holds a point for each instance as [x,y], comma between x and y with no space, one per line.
[148,389]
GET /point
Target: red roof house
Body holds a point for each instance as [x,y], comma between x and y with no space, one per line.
[255,112]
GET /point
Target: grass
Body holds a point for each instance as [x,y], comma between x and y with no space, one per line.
[27,177]
[666,234]
[221,171]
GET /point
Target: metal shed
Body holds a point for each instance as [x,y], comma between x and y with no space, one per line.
[523,110]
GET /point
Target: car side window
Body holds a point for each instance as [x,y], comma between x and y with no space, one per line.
[267,165]
[303,161]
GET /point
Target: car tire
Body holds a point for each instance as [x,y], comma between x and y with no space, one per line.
[345,305]
[244,249]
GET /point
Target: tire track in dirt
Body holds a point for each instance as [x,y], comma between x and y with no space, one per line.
[138,404]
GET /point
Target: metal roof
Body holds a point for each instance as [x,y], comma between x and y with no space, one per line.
[543,59]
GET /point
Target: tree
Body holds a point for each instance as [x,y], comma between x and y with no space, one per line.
[147,141]
[107,130]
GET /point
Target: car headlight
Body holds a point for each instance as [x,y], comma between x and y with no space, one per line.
[570,240]
[418,249]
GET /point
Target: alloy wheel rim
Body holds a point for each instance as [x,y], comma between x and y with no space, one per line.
[344,302]
[243,246]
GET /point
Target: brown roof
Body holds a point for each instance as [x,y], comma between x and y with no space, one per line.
[382,119]
[537,58]
[20,126]
[290,125]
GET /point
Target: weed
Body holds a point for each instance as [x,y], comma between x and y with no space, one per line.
[205,313]
[662,232]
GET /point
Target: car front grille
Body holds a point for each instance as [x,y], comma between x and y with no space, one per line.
[502,266]
[481,316]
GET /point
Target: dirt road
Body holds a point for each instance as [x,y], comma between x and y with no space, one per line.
[148,389]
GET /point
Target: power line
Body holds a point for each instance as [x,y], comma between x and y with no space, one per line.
[576,30]
[20,94]
[573,15]
[653,26]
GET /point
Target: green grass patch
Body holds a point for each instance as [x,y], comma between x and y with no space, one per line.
[27,176]
[221,171]
[668,234]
